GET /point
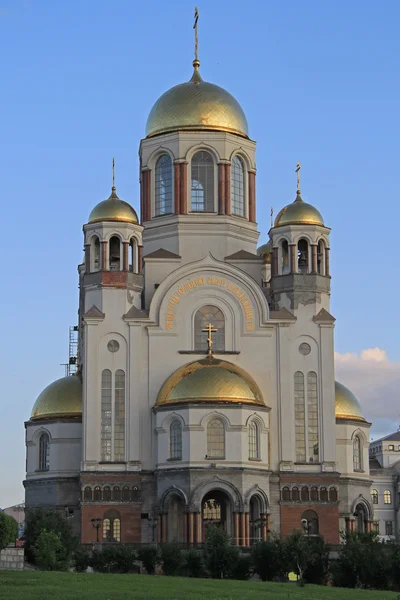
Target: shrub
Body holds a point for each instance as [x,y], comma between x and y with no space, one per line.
[39,519]
[82,559]
[220,555]
[171,556]
[113,559]
[241,567]
[48,551]
[270,559]
[149,555]
[193,563]
[8,530]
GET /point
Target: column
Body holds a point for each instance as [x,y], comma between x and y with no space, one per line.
[164,533]
[159,525]
[177,190]
[87,258]
[198,528]
[185,528]
[242,534]
[140,259]
[221,189]
[314,266]
[247,529]
[146,195]
[252,196]
[126,256]
[104,263]
[236,529]
[293,258]
[327,267]
[191,528]
[274,262]
[227,189]
[184,190]
[264,527]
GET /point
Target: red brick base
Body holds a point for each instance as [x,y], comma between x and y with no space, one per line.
[328,519]
[130,522]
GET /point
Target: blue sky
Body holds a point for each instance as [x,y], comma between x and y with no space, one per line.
[319,83]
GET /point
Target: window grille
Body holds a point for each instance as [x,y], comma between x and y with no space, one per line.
[175,441]
[106,415]
[312,417]
[202,188]
[119,417]
[117,530]
[387,497]
[374,496]
[44,452]
[254,441]
[163,186]
[204,316]
[237,187]
[299,404]
[215,439]
[106,529]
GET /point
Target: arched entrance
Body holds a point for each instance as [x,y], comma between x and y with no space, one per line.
[361,518]
[175,519]
[256,522]
[216,509]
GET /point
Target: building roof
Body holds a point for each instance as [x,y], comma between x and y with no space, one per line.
[392,437]
[299,213]
[60,399]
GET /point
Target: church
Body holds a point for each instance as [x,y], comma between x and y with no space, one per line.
[204,390]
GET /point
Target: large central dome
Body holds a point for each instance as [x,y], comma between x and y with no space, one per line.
[196,105]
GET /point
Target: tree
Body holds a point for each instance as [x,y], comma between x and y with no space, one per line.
[48,551]
[50,520]
[308,557]
[270,559]
[221,556]
[8,530]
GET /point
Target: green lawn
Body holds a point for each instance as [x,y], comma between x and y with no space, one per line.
[35,585]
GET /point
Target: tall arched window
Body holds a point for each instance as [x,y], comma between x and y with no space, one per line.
[95,248]
[107,494]
[119,417]
[284,257]
[333,496]
[106,415]
[132,256]
[126,494]
[309,522]
[204,316]
[305,496]
[215,439]
[254,441]
[237,187]
[387,497]
[374,496]
[357,453]
[323,494]
[97,495]
[300,416]
[202,186]
[312,417]
[285,494]
[314,494]
[112,526]
[115,254]
[87,494]
[303,262]
[175,440]
[321,258]
[44,452]
[116,494]
[295,494]
[106,529]
[163,186]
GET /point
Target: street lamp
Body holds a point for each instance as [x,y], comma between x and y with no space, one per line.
[306,526]
[96,523]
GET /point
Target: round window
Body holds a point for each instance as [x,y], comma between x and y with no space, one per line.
[304,348]
[113,346]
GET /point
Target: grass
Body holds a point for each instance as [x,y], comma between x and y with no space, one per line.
[35,585]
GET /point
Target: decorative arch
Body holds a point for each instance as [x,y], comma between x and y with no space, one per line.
[256,491]
[248,165]
[44,451]
[174,416]
[203,147]
[155,155]
[202,182]
[168,494]
[209,313]
[219,485]
[163,185]
[366,505]
[215,415]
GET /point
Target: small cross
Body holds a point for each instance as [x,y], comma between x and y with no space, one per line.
[210,330]
[298,167]
[196,33]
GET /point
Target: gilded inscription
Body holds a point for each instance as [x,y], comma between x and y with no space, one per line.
[213,281]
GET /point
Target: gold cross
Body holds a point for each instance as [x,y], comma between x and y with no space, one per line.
[210,329]
[298,167]
[196,35]
[113,174]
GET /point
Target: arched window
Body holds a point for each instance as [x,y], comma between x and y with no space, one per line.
[237,187]
[115,254]
[116,494]
[112,526]
[312,417]
[357,453]
[285,494]
[215,439]
[126,494]
[117,530]
[204,316]
[107,494]
[202,188]
[106,529]
[132,256]
[87,494]
[302,260]
[309,522]
[321,258]
[285,257]
[387,497]
[119,417]
[163,187]
[304,494]
[333,494]
[314,494]
[254,441]
[175,440]
[44,452]
[97,494]
[95,249]
[106,415]
[300,416]
[374,496]
[295,494]
[323,494]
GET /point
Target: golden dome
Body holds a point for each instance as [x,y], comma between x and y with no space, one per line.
[62,398]
[210,380]
[265,251]
[196,105]
[346,404]
[299,213]
[113,209]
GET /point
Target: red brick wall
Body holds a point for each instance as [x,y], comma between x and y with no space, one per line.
[130,521]
[328,519]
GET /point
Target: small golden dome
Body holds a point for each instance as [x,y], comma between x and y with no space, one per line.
[196,105]
[346,404]
[62,398]
[299,213]
[113,209]
[210,380]
[266,252]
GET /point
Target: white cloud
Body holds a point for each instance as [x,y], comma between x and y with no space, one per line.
[375,380]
